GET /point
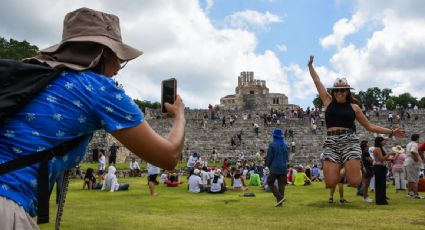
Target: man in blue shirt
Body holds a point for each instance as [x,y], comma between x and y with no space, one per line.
[277,161]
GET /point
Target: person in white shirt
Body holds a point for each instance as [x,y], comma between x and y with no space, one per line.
[111,183]
[102,162]
[217,183]
[153,172]
[134,168]
[413,164]
[195,182]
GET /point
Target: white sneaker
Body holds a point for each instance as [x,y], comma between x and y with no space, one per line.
[417,196]
[368,200]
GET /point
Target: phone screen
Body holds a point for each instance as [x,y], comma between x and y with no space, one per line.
[169,91]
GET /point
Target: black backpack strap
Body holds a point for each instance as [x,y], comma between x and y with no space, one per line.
[43,172]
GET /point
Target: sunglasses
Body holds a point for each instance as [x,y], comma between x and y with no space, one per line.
[340,90]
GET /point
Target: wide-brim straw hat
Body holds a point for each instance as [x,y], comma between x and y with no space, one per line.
[341,83]
[398,149]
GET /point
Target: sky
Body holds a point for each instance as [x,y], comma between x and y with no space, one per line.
[206,44]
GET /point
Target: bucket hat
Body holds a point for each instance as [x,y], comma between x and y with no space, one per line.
[277,132]
[87,25]
[85,34]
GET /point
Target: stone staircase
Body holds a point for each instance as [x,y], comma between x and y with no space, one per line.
[202,138]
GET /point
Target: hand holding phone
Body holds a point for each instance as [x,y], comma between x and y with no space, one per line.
[169,92]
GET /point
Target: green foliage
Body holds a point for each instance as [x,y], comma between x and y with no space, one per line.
[421,103]
[378,97]
[16,50]
[390,104]
[404,99]
[317,102]
[306,207]
[147,104]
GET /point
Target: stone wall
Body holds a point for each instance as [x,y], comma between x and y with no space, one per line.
[202,140]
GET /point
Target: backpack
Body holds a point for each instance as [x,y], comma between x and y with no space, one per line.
[19,84]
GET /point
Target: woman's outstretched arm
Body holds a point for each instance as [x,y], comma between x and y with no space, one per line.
[324,95]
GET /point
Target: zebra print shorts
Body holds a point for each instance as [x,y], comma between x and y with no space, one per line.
[342,148]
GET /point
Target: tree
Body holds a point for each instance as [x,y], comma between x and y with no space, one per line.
[147,104]
[421,103]
[317,102]
[404,99]
[16,50]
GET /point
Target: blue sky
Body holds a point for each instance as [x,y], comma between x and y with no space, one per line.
[206,44]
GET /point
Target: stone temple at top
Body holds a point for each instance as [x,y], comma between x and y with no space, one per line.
[253,94]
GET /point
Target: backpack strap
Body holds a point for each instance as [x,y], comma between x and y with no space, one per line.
[43,172]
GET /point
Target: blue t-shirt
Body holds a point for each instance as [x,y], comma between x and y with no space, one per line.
[75,104]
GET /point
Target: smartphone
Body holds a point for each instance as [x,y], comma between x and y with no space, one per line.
[169,92]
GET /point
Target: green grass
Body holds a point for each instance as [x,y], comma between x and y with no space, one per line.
[306,207]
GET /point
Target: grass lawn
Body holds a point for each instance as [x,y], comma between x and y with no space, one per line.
[306,207]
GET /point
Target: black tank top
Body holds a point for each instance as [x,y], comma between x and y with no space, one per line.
[340,115]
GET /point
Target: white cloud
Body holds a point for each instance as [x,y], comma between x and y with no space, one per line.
[342,29]
[251,18]
[282,48]
[177,37]
[392,57]
[210,4]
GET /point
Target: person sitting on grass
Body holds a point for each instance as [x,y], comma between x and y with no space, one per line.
[172,179]
[195,184]
[89,179]
[237,182]
[254,179]
[111,183]
[315,173]
[301,178]
[217,183]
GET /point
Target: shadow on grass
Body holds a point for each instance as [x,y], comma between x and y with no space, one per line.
[228,201]
[326,204]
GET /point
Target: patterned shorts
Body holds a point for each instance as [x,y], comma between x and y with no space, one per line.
[342,148]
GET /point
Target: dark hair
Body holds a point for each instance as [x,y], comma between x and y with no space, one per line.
[215,179]
[349,98]
[363,144]
[378,144]
[89,173]
[100,67]
[414,137]
[378,141]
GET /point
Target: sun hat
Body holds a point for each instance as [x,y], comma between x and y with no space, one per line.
[196,171]
[341,83]
[85,32]
[87,25]
[217,172]
[398,149]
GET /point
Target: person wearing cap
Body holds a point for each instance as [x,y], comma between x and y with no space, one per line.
[217,183]
[341,147]
[380,169]
[195,184]
[277,161]
[398,168]
[83,98]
